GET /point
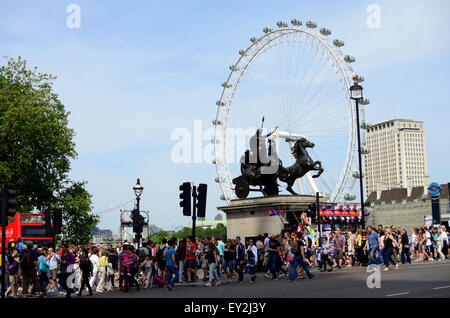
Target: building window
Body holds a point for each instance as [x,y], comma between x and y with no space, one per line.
[383,202]
[393,202]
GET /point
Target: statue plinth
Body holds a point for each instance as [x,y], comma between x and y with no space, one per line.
[250,217]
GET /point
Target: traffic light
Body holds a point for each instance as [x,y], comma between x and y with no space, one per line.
[57,221]
[48,222]
[311,210]
[139,225]
[185,197]
[9,202]
[201,200]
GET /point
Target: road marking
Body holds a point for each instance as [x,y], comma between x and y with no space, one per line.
[441,287]
[398,294]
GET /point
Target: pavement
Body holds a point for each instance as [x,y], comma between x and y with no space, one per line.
[426,279]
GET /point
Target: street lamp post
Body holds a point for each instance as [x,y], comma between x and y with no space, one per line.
[138,189]
[357,96]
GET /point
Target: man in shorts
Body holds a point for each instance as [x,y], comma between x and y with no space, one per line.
[189,261]
[52,274]
[339,248]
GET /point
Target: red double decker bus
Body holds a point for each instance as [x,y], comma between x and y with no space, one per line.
[30,227]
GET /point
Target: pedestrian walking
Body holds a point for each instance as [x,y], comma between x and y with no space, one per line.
[212,258]
[251,255]
[171,265]
[389,243]
[86,268]
[299,255]
[28,269]
[239,260]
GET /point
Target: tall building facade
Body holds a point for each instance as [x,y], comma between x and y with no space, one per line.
[397,156]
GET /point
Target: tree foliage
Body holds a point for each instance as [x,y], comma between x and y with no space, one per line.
[219,231]
[36,144]
[77,219]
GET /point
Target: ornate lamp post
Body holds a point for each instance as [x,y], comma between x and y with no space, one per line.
[138,189]
[357,95]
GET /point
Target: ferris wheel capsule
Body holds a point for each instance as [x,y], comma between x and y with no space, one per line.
[226,84]
[282,24]
[253,39]
[296,22]
[349,58]
[311,24]
[338,43]
[365,101]
[217,122]
[325,31]
[364,125]
[349,197]
[220,103]
[267,30]
[360,78]
[234,68]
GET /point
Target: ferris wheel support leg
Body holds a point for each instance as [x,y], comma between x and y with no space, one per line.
[312,183]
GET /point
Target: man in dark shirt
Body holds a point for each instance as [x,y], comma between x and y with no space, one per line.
[28,269]
[239,260]
[405,255]
[274,249]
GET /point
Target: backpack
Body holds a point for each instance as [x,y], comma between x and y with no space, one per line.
[43,267]
[142,253]
[160,255]
[26,261]
[91,266]
[295,248]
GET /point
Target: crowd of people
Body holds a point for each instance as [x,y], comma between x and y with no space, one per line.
[74,269]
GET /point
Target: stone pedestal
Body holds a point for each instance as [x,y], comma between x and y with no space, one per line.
[250,217]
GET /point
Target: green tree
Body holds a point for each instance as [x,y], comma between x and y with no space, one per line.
[220,231]
[77,219]
[36,144]
[159,236]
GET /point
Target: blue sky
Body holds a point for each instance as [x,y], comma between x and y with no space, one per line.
[135,71]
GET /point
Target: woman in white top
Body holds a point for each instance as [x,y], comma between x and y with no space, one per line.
[440,243]
[94,259]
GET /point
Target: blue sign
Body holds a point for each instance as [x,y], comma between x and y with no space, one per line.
[434,188]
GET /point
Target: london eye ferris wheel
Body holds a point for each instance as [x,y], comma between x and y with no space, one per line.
[298,79]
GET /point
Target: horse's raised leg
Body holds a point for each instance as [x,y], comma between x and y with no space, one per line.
[289,188]
[319,169]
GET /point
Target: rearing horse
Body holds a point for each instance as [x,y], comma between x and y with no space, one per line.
[303,164]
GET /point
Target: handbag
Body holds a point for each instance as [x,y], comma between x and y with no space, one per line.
[290,259]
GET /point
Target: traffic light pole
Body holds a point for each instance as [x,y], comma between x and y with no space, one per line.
[363,223]
[318,215]
[53,231]
[4,224]
[138,235]
[194,210]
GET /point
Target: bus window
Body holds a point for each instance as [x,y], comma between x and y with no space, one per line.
[32,219]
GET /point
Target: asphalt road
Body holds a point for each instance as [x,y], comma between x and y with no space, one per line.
[424,280]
